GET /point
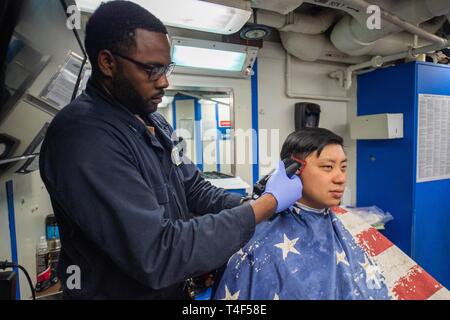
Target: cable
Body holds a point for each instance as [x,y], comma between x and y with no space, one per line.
[5,264]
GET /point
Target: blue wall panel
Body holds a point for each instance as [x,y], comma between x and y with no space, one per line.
[386,169]
[432,201]
[432,229]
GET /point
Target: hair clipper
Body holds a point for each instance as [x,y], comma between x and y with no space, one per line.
[292,166]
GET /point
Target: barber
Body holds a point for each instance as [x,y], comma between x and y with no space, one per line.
[124,201]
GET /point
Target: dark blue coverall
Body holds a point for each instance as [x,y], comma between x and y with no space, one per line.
[125,210]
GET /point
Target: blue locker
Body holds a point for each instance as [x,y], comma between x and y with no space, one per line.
[386,169]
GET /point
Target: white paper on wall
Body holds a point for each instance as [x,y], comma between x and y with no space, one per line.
[433,138]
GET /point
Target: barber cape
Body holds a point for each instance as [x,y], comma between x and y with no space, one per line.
[304,253]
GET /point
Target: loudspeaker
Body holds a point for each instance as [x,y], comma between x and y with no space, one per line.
[307,115]
[8,145]
[8,285]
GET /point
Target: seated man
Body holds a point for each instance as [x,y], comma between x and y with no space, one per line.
[315,250]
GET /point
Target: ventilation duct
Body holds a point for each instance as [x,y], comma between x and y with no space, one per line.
[351,35]
[315,47]
[298,22]
[351,40]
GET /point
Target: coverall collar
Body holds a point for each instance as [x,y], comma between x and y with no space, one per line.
[96,91]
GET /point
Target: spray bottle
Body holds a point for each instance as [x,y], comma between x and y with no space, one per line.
[43,269]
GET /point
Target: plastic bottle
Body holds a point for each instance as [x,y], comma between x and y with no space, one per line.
[54,245]
[43,270]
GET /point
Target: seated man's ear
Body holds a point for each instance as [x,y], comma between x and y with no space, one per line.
[302,165]
[106,63]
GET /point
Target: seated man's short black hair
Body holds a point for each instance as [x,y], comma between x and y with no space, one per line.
[112,26]
[305,141]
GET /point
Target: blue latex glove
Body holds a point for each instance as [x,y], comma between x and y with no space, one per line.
[285,190]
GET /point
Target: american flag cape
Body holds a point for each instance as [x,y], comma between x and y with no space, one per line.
[333,254]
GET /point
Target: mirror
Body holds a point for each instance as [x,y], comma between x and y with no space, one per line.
[44,57]
[41,67]
[203,118]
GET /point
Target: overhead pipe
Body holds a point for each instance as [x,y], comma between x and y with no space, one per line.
[345,76]
[402,41]
[403,24]
[378,61]
[422,10]
[291,94]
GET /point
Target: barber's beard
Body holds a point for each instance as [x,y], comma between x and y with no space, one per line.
[127,95]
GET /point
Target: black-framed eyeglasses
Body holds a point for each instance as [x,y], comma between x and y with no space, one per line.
[154,71]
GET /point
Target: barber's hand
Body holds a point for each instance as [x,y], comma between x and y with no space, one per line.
[285,190]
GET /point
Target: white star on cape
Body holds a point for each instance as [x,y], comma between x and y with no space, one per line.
[373,277]
[229,296]
[340,257]
[287,246]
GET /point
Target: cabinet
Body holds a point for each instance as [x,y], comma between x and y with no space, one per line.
[392,174]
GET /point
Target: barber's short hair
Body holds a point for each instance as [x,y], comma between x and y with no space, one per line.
[112,26]
[303,142]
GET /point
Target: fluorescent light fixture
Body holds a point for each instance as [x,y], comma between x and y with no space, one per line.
[208,58]
[194,56]
[191,14]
